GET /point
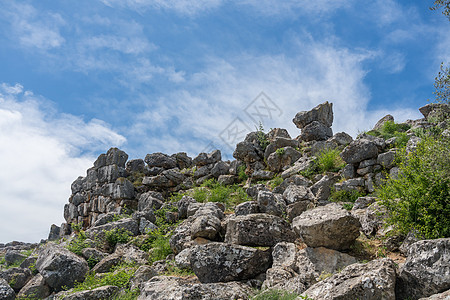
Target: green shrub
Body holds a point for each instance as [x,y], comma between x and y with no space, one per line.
[391,129]
[200,194]
[127,295]
[241,173]
[419,198]
[345,196]
[262,137]
[280,151]
[159,244]
[119,276]
[117,236]
[330,161]
[275,182]
[77,244]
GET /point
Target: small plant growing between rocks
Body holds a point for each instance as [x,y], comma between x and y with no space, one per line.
[241,173]
[345,196]
[262,137]
[275,182]
[329,161]
[78,243]
[280,151]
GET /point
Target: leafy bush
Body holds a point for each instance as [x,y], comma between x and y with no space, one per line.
[159,244]
[280,151]
[345,196]
[262,137]
[78,243]
[119,276]
[241,173]
[330,161]
[390,130]
[420,197]
[117,236]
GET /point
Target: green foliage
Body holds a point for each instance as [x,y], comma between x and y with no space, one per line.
[276,295]
[78,243]
[136,178]
[92,262]
[127,295]
[275,182]
[241,173]
[76,227]
[280,151]
[262,137]
[159,244]
[200,194]
[119,276]
[173,270]
[390,130]
[420,197]
[442,82]
[117,236]
[347,206]
[345,196]
[444,5]
[330,161]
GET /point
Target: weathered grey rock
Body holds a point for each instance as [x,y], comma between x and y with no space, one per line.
[387,159]
[143,274]
[168,178]
[354,184]
[322,188]
[183,161]
[300,165]
[341,138]
[426,270]
[123,189]
[296,193]
[373,219]
[434,109]
[204,159]
[383,120]
[318,147]
[218,262]
[135,165]
[253,190]
[246,208]
[316,131]
[6,292]
[279,278]
[297,208]
[227,179]
[60,267]
[262,175]
[181,237]
[348,171]
[328,226]
[183,205]
[279,142]
[220,168]
[363,202]
[16,277]
[359,150]
[207,227]
[271,203]
[150,200]
[131,254]
[36,288]
[372,281]
[442,296]
[14,257]
[183,259]
[215,209]
[54,233]
[367,163]
[100,293]
[106,174]
[160,160]
[117,157]
[279,160]
[258,230]
[412,237]
[107,263]
[173,288]
[29,261]
[93,253]
[322,113]
[127,224]
[277,133]
[248,152]
[146,226]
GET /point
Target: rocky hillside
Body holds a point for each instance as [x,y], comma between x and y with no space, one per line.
[289,218]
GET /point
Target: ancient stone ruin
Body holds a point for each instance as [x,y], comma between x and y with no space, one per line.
[262,223]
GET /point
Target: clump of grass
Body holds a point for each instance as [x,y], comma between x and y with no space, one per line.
[78,243]
[117,236]
[276,295]
[275,182]
[345,196]
[241,173]
[329,161]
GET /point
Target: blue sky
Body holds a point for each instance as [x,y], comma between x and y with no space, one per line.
[78,77]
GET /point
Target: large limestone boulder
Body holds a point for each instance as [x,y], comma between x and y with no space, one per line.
[6,292]
[329,226]
[359,150]
[160,160]
[316,131]
[173,288]
[35,288]
[282,158]
[127,224]
[372,281]
[258,230]
[441,296]
[60,267]
[100,293]
[218,262]
[426,270]
[207,227]
[322,113]
[17,277]
[271,203]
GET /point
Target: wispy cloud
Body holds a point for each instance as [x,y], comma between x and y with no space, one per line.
[188,7]
[33,29]
[42,152]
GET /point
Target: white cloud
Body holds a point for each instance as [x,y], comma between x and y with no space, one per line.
[33,29]
[188,7]
[393,62]
[42,152]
